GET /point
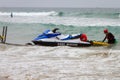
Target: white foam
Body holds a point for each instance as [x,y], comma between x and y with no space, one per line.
[51,13]
[74,21]
[58,63]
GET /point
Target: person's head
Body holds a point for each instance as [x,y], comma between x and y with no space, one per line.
[105,31]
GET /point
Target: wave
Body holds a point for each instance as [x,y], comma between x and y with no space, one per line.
[92,15]
[60,13]
[51,13]
[63,18]
[68,21]
[100,15]
[65,14]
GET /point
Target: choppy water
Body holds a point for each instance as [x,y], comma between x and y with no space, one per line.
[58,63]
[61,62]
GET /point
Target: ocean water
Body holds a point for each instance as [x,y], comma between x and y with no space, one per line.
[61,62]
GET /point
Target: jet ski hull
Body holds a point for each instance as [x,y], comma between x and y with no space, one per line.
[46,43]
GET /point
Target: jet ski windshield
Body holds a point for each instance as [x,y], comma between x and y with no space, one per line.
[46,34]
[55,29]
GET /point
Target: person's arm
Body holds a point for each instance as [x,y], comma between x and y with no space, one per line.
[104,39]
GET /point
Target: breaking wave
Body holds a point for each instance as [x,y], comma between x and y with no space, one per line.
[55,13]
[51,13]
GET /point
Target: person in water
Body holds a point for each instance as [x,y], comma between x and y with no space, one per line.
[109,36]
[11,15]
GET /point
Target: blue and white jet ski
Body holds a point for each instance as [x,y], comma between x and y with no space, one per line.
[53,38]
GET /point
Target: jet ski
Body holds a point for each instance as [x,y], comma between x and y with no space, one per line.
[53,38]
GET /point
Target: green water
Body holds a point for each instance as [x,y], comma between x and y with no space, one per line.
[27,23]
